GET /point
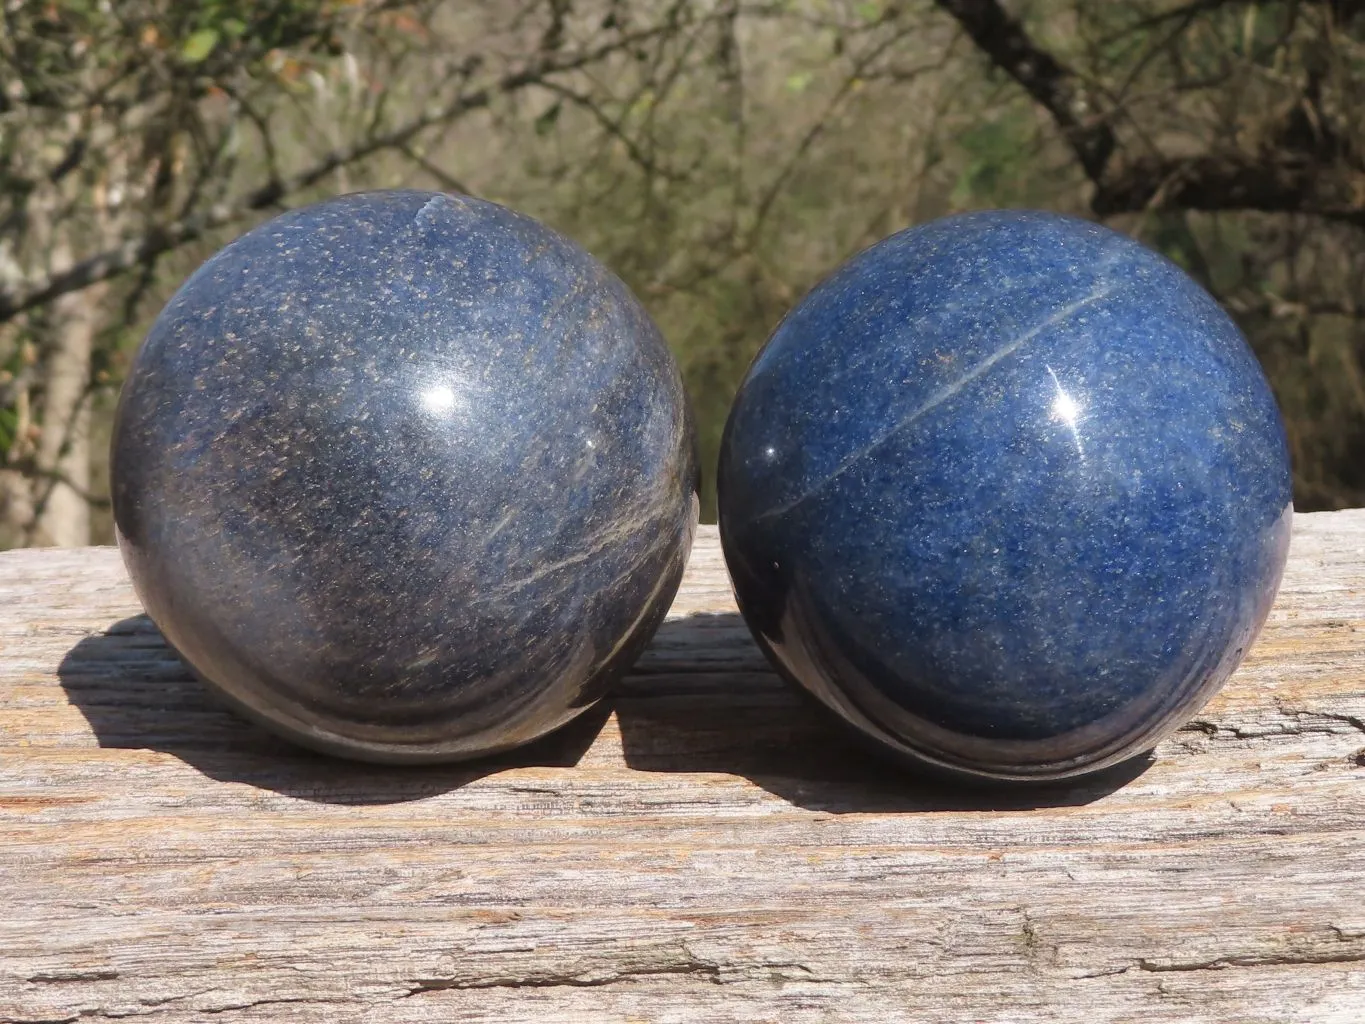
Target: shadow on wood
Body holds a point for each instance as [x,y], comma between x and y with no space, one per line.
[136,693]
[700,700]
[703,699]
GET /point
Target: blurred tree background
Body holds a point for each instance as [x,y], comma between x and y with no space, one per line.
[721,155]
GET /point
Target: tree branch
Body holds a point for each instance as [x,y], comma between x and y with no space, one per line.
[29,468]
[1054,86]
[163,238]
[1298,174]
[1277,182]
[1342,10]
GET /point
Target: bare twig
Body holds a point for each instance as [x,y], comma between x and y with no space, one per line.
[162,238]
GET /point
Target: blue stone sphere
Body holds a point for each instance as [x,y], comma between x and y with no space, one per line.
[1009,493]
[406,476]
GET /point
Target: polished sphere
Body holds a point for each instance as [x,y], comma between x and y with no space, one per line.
[1009,493]
[406,476]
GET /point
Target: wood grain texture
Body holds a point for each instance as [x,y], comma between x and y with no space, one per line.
[709,851]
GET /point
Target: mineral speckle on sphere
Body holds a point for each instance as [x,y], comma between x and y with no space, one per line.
[1009,493]
[407,476]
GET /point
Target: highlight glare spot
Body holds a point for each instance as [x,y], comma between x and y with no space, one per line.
[439,401]
[1066,409]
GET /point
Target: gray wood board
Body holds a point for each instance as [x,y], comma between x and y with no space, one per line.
[710,850]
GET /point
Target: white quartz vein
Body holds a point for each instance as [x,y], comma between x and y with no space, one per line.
[943,394]
[631,520]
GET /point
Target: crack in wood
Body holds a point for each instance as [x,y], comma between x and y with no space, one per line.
[1293,725]
[421,986]
[1300,959]
[67,977]
[254,1003]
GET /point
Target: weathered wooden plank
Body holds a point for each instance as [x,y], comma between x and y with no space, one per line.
[710,851]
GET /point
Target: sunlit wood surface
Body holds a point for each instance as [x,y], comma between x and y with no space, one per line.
[709,851]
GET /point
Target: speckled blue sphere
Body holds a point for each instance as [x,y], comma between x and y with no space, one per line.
[1009,493]
[406,476]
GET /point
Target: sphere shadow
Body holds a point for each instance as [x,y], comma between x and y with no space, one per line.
[677,713]
[701,699]
[137,693]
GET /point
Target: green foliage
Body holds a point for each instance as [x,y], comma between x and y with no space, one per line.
[9,428]
[199,45]
[870,10]
[15,359]
[1001,165]
[259,26]
[546,122]
[1169,233]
